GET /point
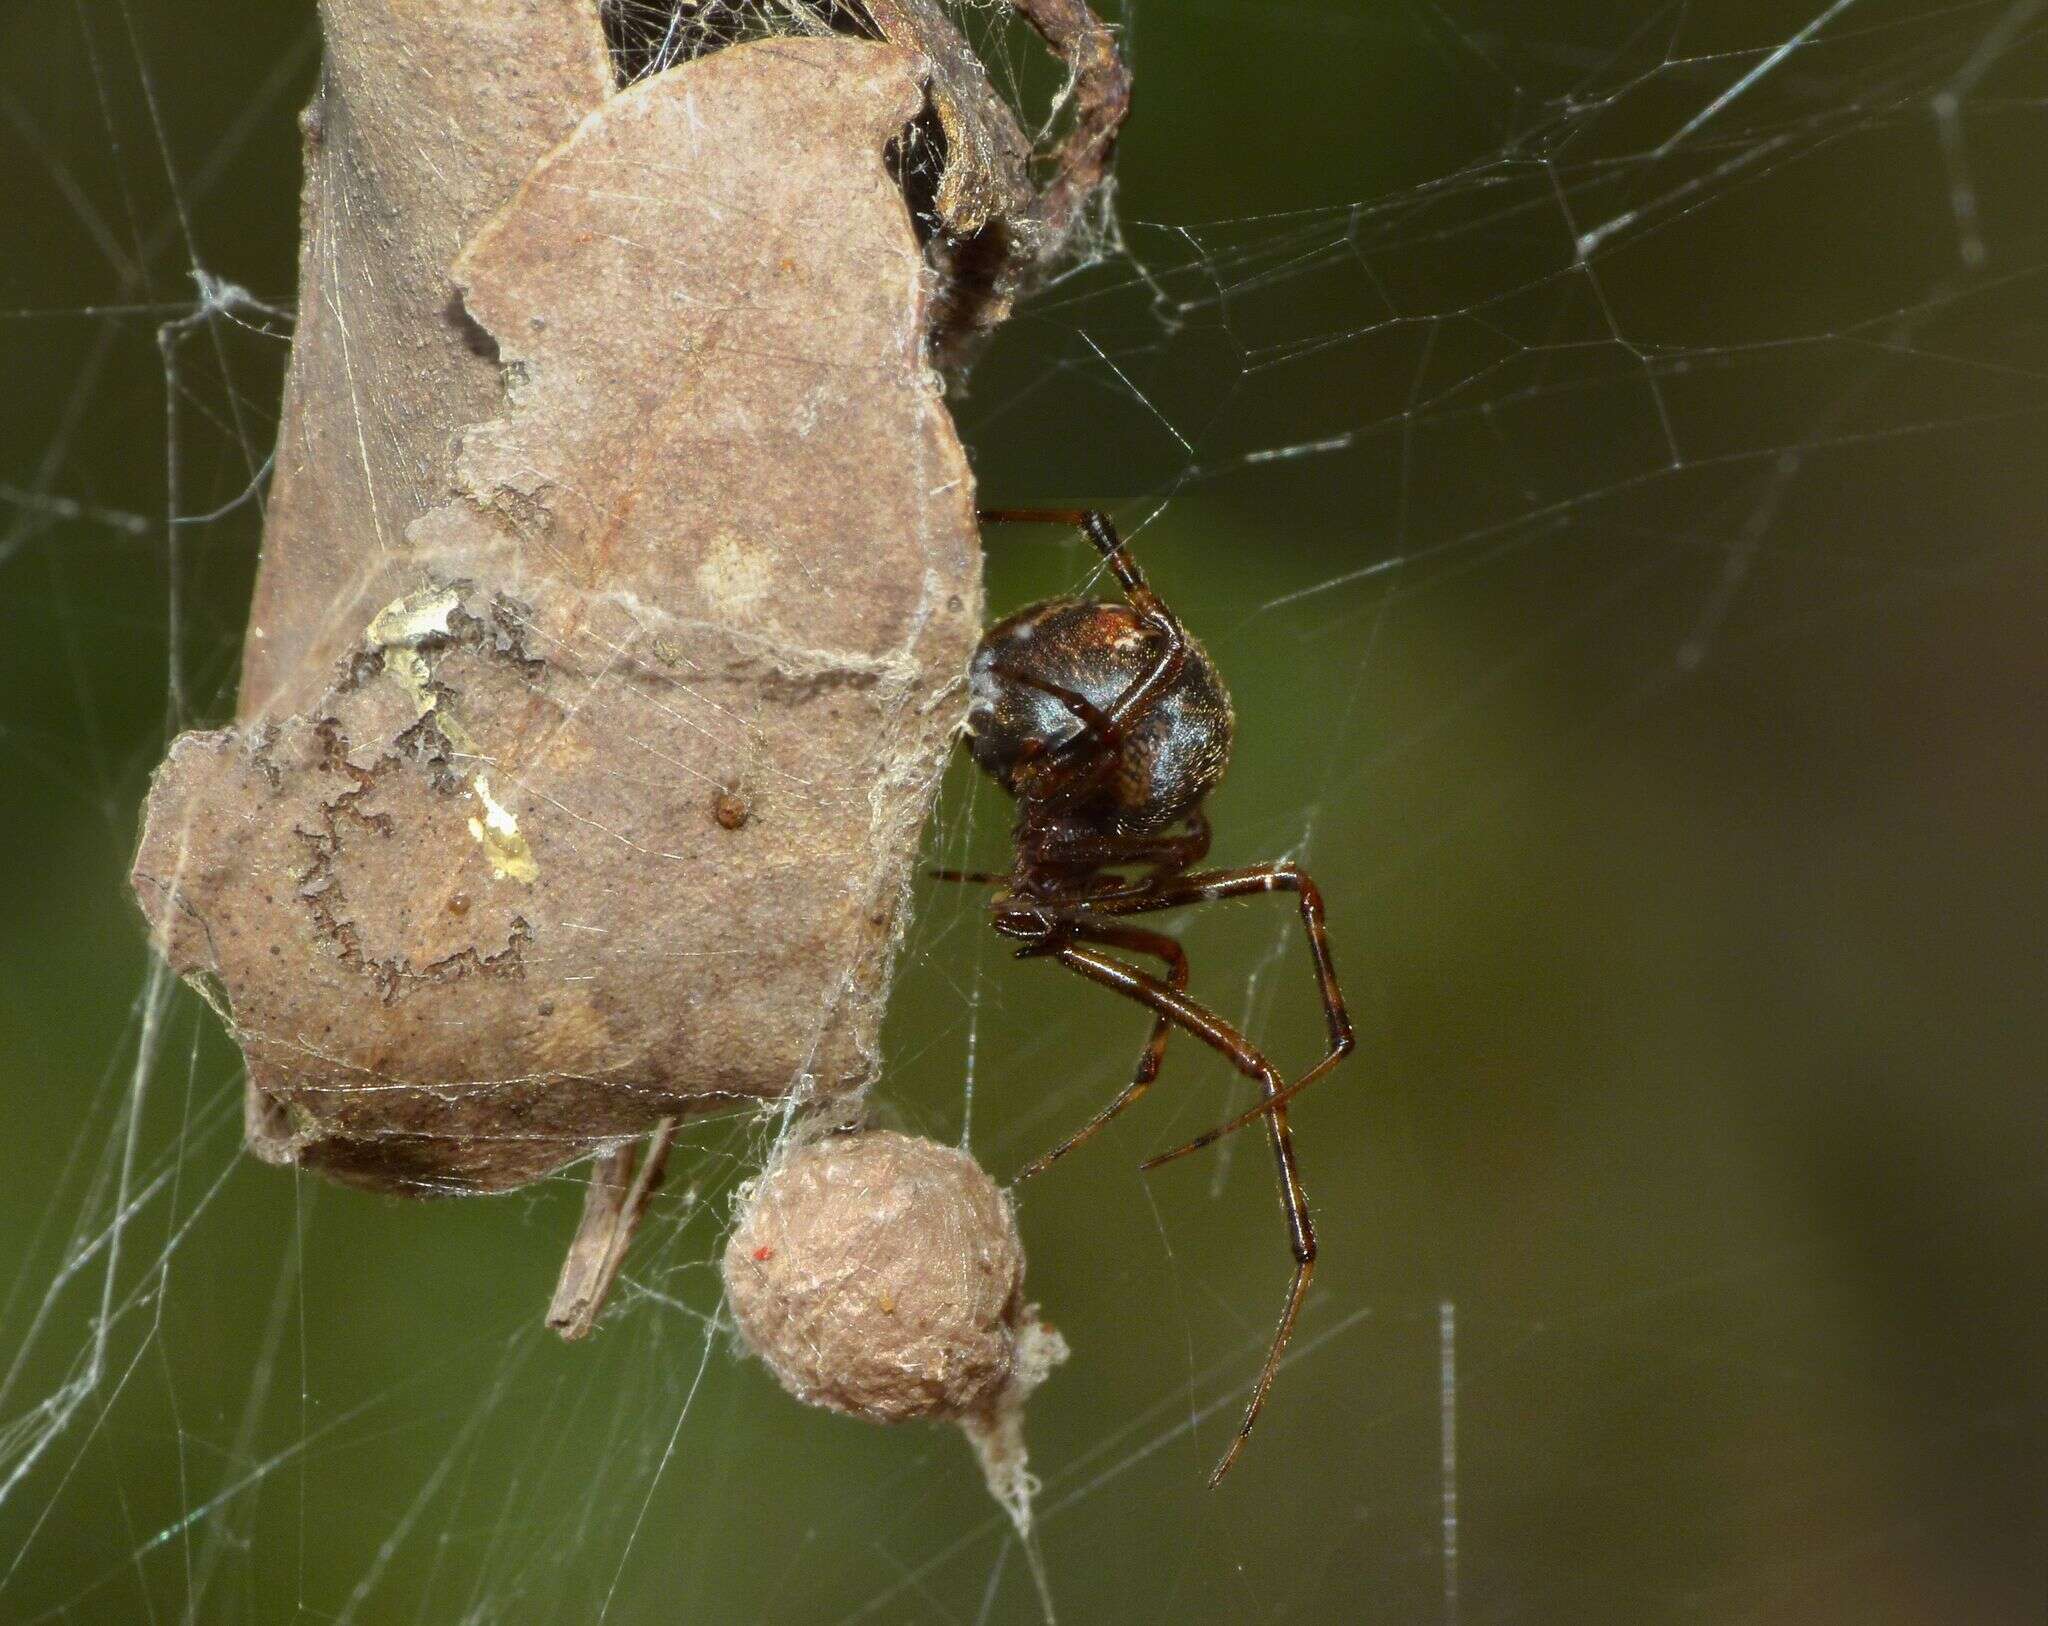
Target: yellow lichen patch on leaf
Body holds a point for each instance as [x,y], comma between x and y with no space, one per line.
[497,832]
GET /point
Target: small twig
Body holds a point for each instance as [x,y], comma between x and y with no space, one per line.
[1002,231]
[613,1206]
[1102,98]
[987,153]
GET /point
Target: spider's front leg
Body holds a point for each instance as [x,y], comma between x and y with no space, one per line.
[1212,1030]
[1134,941]
[1211,886]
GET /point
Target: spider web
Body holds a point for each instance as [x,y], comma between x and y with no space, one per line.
[1602,447]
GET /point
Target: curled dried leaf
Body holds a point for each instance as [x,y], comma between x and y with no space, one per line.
[461,894]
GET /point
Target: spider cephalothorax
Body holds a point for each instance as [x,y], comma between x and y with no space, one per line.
[1109,725]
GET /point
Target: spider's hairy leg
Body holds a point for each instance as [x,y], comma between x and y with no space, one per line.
[1165,856]
[1304,1271]
[1092,523]
[1163,948]
[1212,1030]
[1212,885]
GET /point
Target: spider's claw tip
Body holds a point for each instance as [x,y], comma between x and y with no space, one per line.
[1229,1460]
[1157,1159]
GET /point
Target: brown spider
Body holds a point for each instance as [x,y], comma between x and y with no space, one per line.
[1109,724]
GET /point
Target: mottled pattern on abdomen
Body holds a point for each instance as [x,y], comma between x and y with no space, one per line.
[1173,756]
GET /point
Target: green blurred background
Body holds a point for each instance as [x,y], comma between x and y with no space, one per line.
[1648,661]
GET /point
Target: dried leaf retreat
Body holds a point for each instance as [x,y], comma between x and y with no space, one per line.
[602,808]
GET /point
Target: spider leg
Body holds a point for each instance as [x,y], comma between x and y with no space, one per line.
[1085,710]
[1212,1030]
[1160,947]
[1165,856]
[1211,885]
[1093,524]
[1169,855]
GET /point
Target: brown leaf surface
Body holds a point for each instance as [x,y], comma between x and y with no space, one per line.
[601,805]
[428,115]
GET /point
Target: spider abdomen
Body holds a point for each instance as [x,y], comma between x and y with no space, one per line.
[1173,748]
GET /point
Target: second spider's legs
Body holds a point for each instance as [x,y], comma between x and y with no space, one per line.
[1212,1030]
[1212,885]
[1160,947]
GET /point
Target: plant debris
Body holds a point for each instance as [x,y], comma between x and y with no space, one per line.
[451,876]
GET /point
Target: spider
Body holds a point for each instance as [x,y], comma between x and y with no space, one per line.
[1109,725]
